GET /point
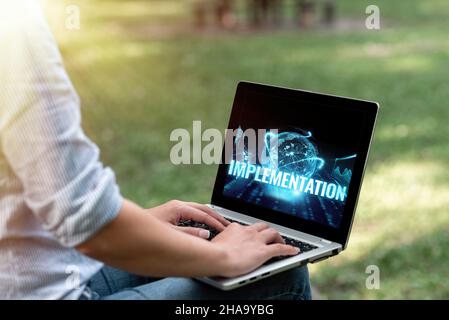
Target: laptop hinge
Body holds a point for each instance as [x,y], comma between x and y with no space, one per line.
[327,256]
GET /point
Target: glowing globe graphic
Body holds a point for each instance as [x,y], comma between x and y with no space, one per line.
[294,152]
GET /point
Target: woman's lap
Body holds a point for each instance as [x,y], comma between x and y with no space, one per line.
[114,284]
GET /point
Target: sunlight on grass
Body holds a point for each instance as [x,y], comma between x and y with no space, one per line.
[403,131]
[102,54]
[160,9]
[415,202]
[406,188]
[410,63]
[433,7]
[395,48]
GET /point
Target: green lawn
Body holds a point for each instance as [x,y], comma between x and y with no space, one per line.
[136,86]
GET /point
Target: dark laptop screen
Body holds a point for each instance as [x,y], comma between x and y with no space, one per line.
[303,160]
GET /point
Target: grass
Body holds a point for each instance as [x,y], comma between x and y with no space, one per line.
[136,87]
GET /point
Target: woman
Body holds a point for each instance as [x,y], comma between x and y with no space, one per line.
[62,215]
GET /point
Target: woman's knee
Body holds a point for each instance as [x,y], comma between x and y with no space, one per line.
[298,282]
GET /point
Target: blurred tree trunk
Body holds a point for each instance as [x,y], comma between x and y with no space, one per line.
[224,13]
[199,14]
[264,11]
[306,13]
[329,13]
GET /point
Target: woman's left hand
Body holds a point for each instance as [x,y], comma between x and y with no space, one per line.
[174,211]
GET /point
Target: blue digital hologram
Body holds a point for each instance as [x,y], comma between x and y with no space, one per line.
[293,151]
[295,154]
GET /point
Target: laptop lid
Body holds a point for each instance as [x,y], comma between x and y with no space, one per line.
[295,158]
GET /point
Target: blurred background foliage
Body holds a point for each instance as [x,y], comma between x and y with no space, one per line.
[142,69]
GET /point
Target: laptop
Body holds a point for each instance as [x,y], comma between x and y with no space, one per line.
[302,176]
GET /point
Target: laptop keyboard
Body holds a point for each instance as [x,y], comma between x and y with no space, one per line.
[303,246]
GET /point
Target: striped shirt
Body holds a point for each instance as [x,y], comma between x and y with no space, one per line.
[54,191]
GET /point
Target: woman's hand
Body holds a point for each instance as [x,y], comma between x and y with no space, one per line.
[174,211]
[149,244]
[248,247]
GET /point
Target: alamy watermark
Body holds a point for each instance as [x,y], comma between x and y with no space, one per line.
[372,21]
[205,147]
[73,280]
[372,281]
[73,17]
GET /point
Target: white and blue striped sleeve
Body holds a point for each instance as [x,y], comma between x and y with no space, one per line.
[64,183]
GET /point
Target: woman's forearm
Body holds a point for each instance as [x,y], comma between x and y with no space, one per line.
[138,242]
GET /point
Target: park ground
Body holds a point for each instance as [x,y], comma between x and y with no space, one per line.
[138,82]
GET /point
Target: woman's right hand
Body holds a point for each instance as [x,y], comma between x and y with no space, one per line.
[248,247]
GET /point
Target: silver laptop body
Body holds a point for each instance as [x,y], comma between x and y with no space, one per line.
[325,249]
[327,242]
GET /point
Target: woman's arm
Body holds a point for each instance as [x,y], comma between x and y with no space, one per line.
[139,242]
[70,192]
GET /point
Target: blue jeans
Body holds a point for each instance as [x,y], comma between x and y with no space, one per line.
[114,284]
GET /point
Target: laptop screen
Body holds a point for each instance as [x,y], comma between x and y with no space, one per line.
[293,157]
